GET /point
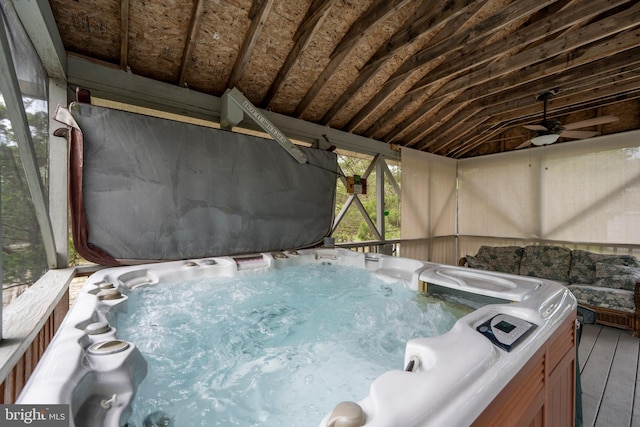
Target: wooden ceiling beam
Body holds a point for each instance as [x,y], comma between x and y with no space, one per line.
[194,25]
[316,13]
[377,13]
[124,34]
[599,30]
[431,19]
[257,6]
[555,73]
[517,96]
[258,14]
[588,97]
[426,23]
[465,60]
[577,12]
[460,150]
[559,64]
[596,58]
[441,49]
[390,88]
[468,130]
[615,68]
[584,97]
[524,109]
[473,54]
[447,78]
[514,12]
[309,27]
[461,124]
[447,117]
[616,97]
[579,99]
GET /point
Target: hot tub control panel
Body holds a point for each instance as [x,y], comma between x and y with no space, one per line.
[505,331]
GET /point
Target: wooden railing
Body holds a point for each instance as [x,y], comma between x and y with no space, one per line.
[449,249]
[387,247]
[30,322]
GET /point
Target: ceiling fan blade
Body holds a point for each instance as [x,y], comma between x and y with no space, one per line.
[591,122]
[523,145]
[578,134]
[535,127]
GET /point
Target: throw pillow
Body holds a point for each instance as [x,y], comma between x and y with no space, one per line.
[583,264]
[616,276]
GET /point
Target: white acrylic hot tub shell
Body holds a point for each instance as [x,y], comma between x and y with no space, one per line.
[461,371]
[459,374]
[68,374]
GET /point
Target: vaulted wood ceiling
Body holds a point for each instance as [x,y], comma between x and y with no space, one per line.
[457,78]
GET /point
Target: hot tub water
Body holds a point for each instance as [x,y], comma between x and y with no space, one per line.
[275,348]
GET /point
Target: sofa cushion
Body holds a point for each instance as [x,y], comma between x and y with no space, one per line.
[614,299]
[616,276]
[497,258]
[475,262]
[583,265]
[546,262]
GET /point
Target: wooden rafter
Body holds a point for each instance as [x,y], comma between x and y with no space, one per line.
[258,14]
[445,115]
[595,62]
[440,141]
[515,11]
[603,29]
[444,47]
[430,20]
[390,89]
[411,32]
[124,34]
[473,55]
[194,25]
[305,33]
[461,21]
[598,59]
[633,93]
[604,71]
[592,52]
[596,93]
[515,105]
[377,13]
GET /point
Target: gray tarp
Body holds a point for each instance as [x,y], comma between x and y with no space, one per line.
[156,189]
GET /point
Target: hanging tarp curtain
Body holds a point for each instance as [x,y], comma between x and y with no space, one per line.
[428,205]
[582,191]
[146,189]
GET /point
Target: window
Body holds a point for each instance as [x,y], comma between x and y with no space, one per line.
[23,255]
[352,224]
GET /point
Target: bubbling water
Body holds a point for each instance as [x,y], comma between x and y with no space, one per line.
[279,348]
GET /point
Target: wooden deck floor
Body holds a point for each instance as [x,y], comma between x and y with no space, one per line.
[608,359]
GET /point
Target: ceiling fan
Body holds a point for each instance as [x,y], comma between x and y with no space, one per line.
[548,131]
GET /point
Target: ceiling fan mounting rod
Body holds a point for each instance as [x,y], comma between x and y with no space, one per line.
[544,97]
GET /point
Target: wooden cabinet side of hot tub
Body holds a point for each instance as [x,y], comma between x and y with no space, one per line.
[543,393]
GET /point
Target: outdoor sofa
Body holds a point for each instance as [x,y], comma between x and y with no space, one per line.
[606,284]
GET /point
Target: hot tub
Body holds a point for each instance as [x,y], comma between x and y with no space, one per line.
[451,379]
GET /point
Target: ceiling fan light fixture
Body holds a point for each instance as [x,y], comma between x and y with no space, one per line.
[545,139]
